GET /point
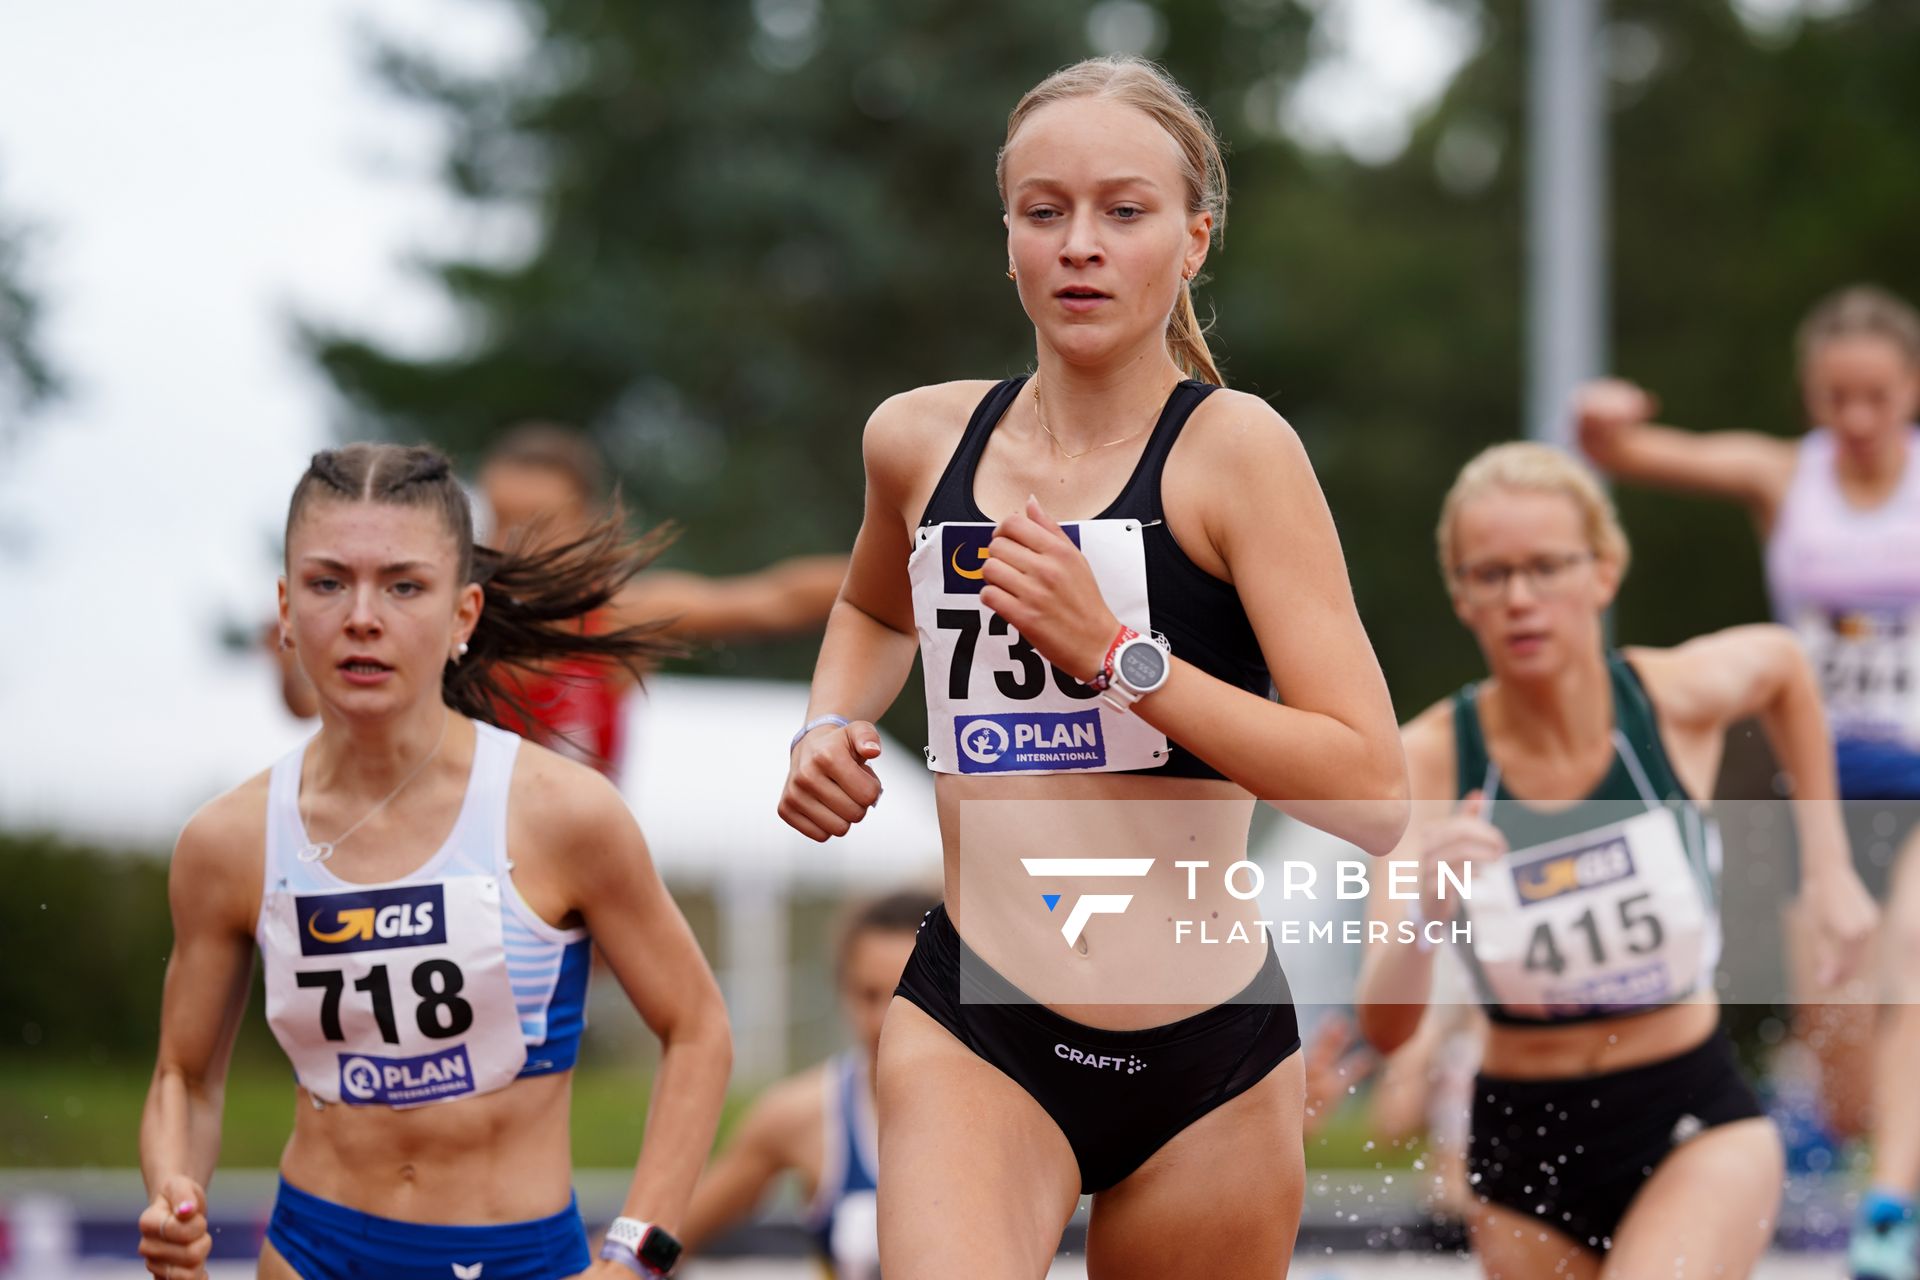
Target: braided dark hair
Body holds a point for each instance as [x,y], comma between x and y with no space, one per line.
[535,600]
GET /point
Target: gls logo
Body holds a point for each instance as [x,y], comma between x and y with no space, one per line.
[1087,905]
[963,555]
[372,919]
[1573,870]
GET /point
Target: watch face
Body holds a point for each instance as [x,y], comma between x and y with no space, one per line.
[1142,665]
[659,1250]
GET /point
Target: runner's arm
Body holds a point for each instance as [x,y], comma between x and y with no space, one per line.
[869,647]
[204,998]
[1748,467]
[1396,978]
[613,885]
[1761,670]
[1397,1111]
[760,1150]
[786,596]
[1328,753]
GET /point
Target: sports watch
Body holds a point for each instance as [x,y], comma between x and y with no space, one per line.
[1136,665]
[640,1247]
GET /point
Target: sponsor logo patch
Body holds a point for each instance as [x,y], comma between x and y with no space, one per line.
[371,919]
[1132,1064]
[1628,989]
[963,555]
[1029,740]
[1555,875]
[369,1081]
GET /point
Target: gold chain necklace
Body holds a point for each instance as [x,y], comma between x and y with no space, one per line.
[1040,414]
[321,850]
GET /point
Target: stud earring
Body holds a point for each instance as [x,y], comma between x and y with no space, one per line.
[1012,274]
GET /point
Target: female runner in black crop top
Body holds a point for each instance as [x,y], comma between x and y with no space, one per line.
[1073,1042]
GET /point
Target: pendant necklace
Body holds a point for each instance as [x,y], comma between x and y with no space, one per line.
[320,851]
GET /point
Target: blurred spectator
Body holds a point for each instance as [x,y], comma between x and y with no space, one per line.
[820,1125]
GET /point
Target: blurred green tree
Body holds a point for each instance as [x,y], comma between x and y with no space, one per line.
[754,221]
[28,377]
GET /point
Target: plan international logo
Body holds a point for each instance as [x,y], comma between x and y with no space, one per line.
[1029,740]
[394,1082]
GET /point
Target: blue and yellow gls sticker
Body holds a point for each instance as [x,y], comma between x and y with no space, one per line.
[964,553]
[1573,871]
[371,919]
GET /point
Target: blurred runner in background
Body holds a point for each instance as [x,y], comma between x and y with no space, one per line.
[819,1125]
[1610,1125]
[1839,513]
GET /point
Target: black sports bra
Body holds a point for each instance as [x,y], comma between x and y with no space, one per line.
[1200,615]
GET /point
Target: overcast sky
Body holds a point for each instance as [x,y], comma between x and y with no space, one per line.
[198,171]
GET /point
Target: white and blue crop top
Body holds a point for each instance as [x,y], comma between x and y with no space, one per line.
[437,985]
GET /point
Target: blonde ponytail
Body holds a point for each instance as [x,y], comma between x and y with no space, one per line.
[1187,341]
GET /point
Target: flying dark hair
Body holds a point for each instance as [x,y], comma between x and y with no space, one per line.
[535,600]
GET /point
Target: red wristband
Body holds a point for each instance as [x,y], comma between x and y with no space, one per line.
[1104,676]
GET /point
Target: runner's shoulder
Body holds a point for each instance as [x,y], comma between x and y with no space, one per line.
[1239,429]
[1693,680]
[563,806]
[232,822]
[926,422]
[222,848]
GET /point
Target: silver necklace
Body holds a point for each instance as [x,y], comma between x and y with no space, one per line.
[1040,414]
[320,851]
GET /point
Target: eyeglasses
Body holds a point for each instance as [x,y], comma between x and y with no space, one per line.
[1545,575]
